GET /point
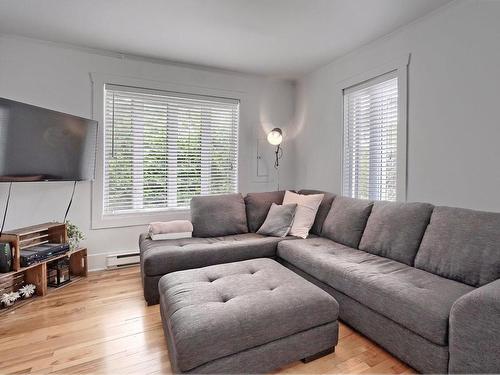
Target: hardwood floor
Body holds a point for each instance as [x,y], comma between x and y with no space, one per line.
[102,325]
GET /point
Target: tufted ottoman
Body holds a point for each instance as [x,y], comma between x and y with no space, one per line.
[245,317]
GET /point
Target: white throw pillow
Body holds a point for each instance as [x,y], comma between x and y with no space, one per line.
[307,207]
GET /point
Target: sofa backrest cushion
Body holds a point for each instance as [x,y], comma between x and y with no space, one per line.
[323,209]
[346,220]
[218,215]
[258,205]
[462,245]
[394,230]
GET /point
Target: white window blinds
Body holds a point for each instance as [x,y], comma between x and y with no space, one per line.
[162,148]
[370,139]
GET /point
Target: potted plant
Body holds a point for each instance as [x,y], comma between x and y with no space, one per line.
[75,235]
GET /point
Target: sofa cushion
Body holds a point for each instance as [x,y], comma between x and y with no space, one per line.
[162,257]
[346,220]
[462,245]
[224,309]
[257,207]
[218,215]
[307,208]
[394,230]
[279,220]
[417,300]
[323,209]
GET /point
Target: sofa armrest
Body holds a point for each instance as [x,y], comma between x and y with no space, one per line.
[475,331]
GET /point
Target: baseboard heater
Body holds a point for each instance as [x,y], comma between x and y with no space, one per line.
[122,260]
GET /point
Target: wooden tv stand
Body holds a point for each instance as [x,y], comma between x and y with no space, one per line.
[24,238]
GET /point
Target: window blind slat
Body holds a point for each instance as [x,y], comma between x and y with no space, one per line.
[370,140]
[162,148]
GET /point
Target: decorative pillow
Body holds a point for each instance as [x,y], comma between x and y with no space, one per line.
[279,220]
[323,209]
[218,215]
[346,220]
[257,206]
[307,207]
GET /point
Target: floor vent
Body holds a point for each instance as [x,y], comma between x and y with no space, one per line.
[122,260]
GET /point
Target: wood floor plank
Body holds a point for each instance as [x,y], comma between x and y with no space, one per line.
[101,325]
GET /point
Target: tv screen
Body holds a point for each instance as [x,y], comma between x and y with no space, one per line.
[38,144]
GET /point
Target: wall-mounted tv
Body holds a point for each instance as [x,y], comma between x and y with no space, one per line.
[38,144]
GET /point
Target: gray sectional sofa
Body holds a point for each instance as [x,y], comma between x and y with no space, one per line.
[421,281]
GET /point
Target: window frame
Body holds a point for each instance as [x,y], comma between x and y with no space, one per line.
[100,220]
[400,68]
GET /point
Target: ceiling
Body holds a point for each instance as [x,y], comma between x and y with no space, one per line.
[272,37]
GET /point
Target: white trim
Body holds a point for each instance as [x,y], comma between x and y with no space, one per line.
[176,94]
[400,66]
[372,81]
[98,81]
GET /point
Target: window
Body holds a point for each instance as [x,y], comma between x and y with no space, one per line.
[162,148]
[370,159]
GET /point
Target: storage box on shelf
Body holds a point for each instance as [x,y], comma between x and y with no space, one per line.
[12,282]
[24,238]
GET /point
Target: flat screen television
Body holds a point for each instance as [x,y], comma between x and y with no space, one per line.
[38,144]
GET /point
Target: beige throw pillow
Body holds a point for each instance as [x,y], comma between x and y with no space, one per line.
[307,207]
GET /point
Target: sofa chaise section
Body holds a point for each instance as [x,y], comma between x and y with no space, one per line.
[423,281]
[411,348]
[161,257]
[224,229]
[418,300]
[404,309]
[373,283]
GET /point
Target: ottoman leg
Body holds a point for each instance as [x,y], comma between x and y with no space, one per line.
[318,355]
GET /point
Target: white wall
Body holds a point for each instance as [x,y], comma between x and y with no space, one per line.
[454,97]
[57,77]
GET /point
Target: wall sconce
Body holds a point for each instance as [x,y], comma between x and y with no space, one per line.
[275,137]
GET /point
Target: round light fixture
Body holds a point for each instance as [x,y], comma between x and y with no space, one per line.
[275,137]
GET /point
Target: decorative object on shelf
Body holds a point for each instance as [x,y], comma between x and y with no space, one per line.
[58,273]
[275,137]
[27,291]
[5,257]
[40,252]
[8,299]
[5,300]
[75,235]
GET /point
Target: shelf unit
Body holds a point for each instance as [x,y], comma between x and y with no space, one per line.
[36,274]
[24,238]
